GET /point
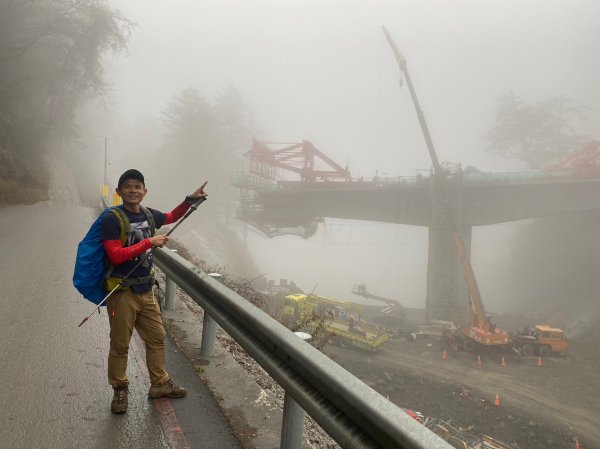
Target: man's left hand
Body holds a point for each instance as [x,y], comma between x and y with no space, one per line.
[198,193]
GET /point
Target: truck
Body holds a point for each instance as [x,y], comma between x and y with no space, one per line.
[542,340]
[481,331]
[342,319]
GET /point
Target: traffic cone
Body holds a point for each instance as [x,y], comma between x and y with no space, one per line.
[497,401]
[445,355]
[503,364]
[577,443]
[540,361]
[478,360]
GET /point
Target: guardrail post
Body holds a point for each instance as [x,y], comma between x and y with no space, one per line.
[169,293]
[292,426]
[209,332]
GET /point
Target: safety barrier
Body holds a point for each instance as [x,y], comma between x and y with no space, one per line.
[351,412]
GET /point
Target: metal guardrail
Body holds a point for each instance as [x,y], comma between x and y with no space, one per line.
[352,413]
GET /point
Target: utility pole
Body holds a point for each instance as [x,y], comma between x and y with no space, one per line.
[105,160]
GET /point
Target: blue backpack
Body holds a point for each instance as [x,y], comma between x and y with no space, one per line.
[91,264]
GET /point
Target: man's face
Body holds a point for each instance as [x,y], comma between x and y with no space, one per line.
[132,192]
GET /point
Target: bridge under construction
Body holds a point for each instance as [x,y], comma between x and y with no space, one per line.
[459,199]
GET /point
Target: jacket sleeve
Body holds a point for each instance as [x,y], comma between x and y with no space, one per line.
[117,254]
[177,213]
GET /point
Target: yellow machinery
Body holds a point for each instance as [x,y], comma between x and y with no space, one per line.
[342,319]
[544,340]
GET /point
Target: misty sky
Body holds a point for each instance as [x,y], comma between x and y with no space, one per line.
[322,71]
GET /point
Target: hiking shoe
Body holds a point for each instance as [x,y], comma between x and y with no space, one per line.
[167,390]
[119,402]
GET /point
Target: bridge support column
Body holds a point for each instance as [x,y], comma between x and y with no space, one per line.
[447,294]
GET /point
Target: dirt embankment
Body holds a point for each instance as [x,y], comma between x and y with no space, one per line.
[541,407]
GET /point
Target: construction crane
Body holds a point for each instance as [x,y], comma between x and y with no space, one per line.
[404,69]
[361,290]
[480,329]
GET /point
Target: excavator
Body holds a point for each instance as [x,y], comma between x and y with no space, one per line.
[480,331]
[393,305]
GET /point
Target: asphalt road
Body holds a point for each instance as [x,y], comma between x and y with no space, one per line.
[54,392]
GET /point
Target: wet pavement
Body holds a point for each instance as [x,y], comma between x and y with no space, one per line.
[54,391]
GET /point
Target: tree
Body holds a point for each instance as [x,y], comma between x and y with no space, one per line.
[555,259]
[205,136]
[236,121]
[192,138]
[50,64]
[540,134]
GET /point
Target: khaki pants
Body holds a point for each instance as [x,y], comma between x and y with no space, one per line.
[128,310]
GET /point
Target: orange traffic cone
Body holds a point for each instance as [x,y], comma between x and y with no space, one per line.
[478,360]
[577,443]
[445,355]
[497,401]
[503,364]
[540,361]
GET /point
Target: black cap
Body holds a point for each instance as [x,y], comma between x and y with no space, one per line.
[130,174]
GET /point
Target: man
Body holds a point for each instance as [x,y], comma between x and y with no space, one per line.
[133,305]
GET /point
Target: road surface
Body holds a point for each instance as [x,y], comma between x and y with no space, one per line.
[54,390]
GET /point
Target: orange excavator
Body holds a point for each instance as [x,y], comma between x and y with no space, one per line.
[480,330]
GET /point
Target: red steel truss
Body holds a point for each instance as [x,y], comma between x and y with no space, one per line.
[295,157]
[587,157]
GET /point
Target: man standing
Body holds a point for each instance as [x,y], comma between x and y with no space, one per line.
[127,235]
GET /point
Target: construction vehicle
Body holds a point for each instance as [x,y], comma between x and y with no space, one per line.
[480,331]
[393,314]
[404,322]
[343,319]
[543,340]
[393,305]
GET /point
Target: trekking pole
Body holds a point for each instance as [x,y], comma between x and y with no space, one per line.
[142,259]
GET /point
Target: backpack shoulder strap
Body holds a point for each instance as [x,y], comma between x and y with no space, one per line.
[124,223]
[150,219]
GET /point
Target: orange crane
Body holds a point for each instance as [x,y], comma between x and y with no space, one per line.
[480,329]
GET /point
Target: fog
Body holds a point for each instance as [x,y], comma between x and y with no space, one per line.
[322,71]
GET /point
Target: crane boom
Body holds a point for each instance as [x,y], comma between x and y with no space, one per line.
[477,311]
[361,290]
[404,69]
[480,328]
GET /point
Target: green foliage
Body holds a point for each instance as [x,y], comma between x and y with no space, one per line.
[540,134]
[50,64]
